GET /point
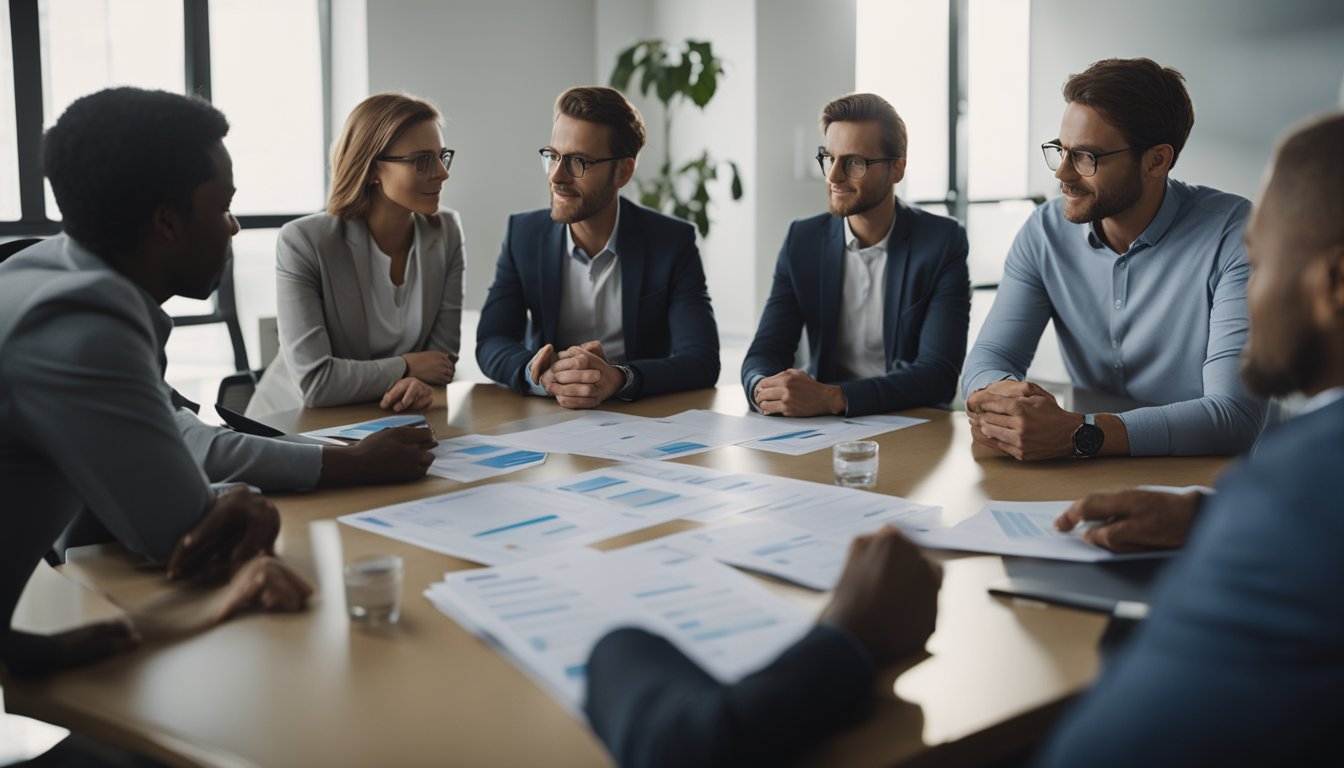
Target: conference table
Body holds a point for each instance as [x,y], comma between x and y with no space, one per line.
[313,689]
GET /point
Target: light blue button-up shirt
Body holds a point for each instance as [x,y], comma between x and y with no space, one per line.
[1160,326]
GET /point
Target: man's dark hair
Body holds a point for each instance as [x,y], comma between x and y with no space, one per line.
[606,106]
[1308,181]
[116,155]
[1145,101]
[865,108]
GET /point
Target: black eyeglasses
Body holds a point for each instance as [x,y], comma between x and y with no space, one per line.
[575,165]
[424,161]
[854,166]
[1083,161]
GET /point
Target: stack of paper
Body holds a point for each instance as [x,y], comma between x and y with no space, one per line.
[547,614]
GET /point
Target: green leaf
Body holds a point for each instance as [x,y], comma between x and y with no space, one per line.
[737,181]
[625,68]
[706,82]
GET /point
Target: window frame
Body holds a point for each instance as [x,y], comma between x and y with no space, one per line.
[25,37]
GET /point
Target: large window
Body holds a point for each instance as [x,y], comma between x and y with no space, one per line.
[9,146]
[260,61]
[958,77]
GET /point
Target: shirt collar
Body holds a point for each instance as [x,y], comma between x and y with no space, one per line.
[852,240]
[1172,198]
[1322,399]
[578,254]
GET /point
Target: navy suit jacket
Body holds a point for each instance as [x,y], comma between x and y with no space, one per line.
[1241,661]
[671,339]
[653,706]
[924,325]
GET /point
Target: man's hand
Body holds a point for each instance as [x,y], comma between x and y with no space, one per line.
[409,393]
[541,365]
[581,377]
[1022,420]
[431,366]
[887,597]
[28,655]
[795,393]
[1132,521]
[238,527]
[265,583]
[396,455]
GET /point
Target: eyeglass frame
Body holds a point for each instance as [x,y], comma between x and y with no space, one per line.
[822,154]
[428,157]
[1063,152]
[567,161]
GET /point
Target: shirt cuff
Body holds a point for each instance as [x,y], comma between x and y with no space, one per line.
[751,391]
[532,386]
[984,379]
[1147,431]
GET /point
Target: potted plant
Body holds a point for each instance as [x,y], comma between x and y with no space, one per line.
[694,76]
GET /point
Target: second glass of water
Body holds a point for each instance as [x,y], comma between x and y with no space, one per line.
[855,463]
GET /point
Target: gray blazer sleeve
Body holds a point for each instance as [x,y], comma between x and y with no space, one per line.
[228,456]
[305,339]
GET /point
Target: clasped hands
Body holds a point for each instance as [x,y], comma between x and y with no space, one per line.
[795,393]
[578,377]
[1022,420]
[424,371]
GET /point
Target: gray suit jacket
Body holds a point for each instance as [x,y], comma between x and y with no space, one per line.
[86,418]
[322,283]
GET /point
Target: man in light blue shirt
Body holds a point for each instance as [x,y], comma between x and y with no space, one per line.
[1145,278]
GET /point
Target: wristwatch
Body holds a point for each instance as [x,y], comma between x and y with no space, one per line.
[1088,437]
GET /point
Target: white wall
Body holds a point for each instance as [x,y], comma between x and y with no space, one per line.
[494,69]
[804,59]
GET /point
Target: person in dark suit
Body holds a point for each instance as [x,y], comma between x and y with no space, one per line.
[881,288]
[1241,659]
[597,297]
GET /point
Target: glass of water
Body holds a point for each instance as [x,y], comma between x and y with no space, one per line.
[855,463]
[373,590]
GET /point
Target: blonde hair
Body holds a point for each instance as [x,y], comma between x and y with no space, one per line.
[370,129]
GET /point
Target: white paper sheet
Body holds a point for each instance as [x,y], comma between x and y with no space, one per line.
[1023,528]
[363,429]
[475,457]
[547,614]
[623,485]
[814,434]
[503,522]
[811,560]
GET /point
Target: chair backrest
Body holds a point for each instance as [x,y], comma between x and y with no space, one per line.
[14,246]
[235,390]
[225,311]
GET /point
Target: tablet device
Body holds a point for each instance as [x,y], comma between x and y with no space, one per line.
[245,425]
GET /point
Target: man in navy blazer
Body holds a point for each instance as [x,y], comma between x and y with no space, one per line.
[1241,659]
[597,297]
[882,289]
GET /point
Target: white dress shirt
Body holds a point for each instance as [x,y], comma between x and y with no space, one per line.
[590,305]
[860,353]
[396,311]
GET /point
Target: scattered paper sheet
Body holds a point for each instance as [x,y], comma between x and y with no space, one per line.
[811,560]
[363,429]
[505,522]
[476,457]
[547,614]
[808,435]
[1023,528]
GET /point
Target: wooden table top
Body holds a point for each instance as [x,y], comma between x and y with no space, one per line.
[310,689]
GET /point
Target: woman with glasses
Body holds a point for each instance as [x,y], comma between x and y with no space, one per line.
[369,293]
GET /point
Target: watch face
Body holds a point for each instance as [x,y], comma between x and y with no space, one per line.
[1087,439]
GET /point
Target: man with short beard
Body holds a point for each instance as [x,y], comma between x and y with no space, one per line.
[597,297]
[1145,278]
[881,288]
